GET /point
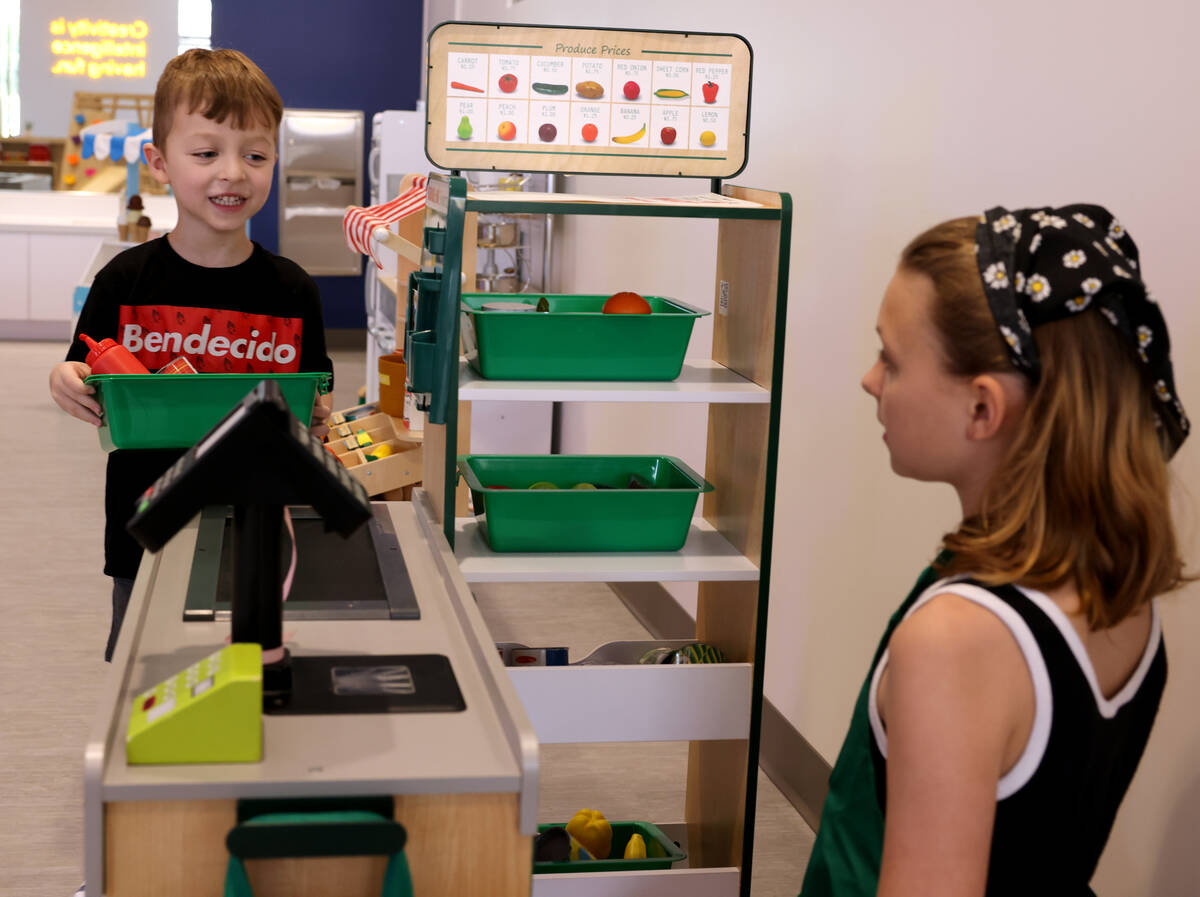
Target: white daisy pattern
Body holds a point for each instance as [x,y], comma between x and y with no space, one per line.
[1019,281]
[1053,221]
[996,276]
[1100,249]
[1084,219]
[1038,288]
[1038,216]
[1121,272]
[1023,321]
[1145,336]
[1074,259]
[1091,286]
[1003,223]
[1111,315]
[1016,232]
[1079,303]
[1160,390]
[1112,244]
[1116,230]
[1010,338]
[1035,243]
[1150,298]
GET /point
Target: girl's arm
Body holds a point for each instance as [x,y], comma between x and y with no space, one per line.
[957,700]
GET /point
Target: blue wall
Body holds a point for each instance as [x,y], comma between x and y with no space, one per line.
[345,54]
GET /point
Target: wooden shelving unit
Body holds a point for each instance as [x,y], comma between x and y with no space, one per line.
[717,707]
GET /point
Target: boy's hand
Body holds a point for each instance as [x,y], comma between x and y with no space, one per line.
[71,394]
[322,408]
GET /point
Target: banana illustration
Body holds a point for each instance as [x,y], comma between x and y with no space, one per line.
[632,138]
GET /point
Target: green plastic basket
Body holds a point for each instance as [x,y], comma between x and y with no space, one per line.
[661,852]
[158,411]
[611,517]
[575,340]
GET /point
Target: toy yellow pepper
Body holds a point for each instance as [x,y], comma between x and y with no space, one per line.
[592,830]
[636,848]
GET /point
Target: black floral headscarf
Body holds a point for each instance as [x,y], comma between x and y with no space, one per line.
[1042,265]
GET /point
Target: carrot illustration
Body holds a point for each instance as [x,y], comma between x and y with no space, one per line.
[458,85]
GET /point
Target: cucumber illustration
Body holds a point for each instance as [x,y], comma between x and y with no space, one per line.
[551,90]
[670,93]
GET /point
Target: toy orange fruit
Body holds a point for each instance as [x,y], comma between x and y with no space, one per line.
[626,303]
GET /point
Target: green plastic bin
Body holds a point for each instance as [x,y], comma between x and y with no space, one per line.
[661,852]
[158,411]
[575,340]
[611,517]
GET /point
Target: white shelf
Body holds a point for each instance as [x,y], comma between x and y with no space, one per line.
[636,702]
[700,381]
[706,556]
[717,882]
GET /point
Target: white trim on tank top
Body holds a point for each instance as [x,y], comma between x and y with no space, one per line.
[1031,757]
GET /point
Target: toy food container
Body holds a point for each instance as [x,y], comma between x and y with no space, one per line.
[575,340]
[159,411]
[583,502]
[661,852]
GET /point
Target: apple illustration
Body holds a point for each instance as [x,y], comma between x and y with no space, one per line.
[709,88]
[632,91]
[668,136]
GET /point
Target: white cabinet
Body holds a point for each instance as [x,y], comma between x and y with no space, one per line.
[14,282]
[57,263]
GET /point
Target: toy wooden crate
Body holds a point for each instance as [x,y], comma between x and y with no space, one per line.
[357,444]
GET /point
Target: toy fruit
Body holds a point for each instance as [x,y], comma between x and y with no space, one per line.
[668,136]
[464,129]
[626,303]
[632,138]
[550,90]
[543,484]
[708,138]
[590,90]
[547,132]
[508,82]
[589,132]
[583,486]
[635,849]
[631,90]
[506,130]
[592,831]
[670,93]
[709,89]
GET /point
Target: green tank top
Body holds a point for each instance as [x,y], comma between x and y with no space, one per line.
[846,856]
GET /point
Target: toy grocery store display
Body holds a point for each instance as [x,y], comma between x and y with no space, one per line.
[550,98]
[105,136]
[590,843]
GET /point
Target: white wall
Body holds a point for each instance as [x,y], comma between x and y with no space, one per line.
[881,119]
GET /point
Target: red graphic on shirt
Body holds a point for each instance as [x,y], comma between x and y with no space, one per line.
[214,340]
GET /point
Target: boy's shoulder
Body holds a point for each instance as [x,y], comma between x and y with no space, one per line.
[135,258]
[287,271]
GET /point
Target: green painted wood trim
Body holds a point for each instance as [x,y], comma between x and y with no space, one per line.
[631,210]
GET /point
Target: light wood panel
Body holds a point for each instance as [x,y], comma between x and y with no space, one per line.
[457,844]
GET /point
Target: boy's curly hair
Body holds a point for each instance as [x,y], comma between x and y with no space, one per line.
[220,84]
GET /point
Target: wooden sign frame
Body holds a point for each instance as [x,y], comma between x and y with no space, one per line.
[529,97]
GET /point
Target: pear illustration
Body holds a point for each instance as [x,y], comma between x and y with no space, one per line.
[464,128]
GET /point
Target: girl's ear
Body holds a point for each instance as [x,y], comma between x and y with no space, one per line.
[157,163]
[997,401]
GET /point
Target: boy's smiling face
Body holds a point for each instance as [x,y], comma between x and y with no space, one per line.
[220,175]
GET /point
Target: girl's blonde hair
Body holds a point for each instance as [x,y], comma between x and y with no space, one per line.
[219,84]
[1083,494]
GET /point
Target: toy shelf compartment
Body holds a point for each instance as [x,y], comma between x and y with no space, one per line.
[379,475]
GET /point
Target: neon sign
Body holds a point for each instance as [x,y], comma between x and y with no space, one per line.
[98,48]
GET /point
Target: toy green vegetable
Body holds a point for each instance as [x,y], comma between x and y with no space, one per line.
[551,90]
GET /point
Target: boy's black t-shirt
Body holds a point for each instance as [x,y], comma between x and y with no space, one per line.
[262,316]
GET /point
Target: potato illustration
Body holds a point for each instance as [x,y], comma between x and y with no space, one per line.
[589,90]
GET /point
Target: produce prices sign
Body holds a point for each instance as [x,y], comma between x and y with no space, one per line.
[548,98]
[98,48]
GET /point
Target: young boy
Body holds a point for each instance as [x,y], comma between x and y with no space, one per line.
[205,290]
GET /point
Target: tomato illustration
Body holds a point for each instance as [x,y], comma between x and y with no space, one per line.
[508,82]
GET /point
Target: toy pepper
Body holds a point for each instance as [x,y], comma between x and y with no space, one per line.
[593,832]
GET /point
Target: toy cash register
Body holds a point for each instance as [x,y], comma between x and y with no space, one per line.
[258,458]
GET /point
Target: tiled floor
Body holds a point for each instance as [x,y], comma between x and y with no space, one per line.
[55,608]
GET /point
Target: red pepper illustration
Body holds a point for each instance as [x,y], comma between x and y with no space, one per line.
[709,88]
